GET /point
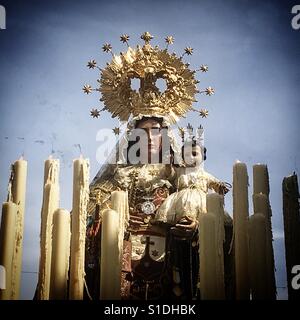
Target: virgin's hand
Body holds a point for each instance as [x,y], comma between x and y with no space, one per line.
[187,223]
[185,227]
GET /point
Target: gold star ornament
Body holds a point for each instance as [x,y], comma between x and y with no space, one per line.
[95,113]
[117,95]
[87,89]
[147,37]
[106,47]
[116,131]
[209,91]
[203,113]
[92,64]
[188,51]
[203,68]
[124,38]
[169,40]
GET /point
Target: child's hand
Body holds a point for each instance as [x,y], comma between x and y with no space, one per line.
[224,188]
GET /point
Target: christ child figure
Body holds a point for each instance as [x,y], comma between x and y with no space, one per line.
[184,207]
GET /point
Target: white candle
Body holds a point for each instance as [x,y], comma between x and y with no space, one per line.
[18,195]
[215,205]
[7,245]
[60,255]
[240,221]
[119,203]
[110,277]
[261,205]
[50,204]
[47,167]
[2,279]
[78,227]
[257,256]
[208,258]
[260,179]
[261,190]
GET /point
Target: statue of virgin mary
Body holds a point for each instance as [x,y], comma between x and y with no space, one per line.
[159,260]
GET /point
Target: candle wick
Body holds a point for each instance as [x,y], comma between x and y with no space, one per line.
[79,147]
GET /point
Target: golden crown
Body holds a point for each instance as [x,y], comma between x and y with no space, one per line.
[147,64]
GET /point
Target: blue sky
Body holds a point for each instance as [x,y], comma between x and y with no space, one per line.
[253,58]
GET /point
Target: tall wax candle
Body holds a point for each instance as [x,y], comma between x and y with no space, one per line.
[78,227]
[261,179]
[261,191]
[240,222]
[18,184]
[110,277]
[215,205]
[61,236]
[257,256]
[50,204]
[261,205]
[7,245]
[208,259]
[119,203]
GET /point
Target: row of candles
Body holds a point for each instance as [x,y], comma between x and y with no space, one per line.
[253,251]
[62,237]
[60,240]
[252,240]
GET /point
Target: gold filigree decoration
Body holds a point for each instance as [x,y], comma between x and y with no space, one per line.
[147,64]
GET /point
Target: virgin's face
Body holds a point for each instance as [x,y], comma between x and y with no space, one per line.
[152,128]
